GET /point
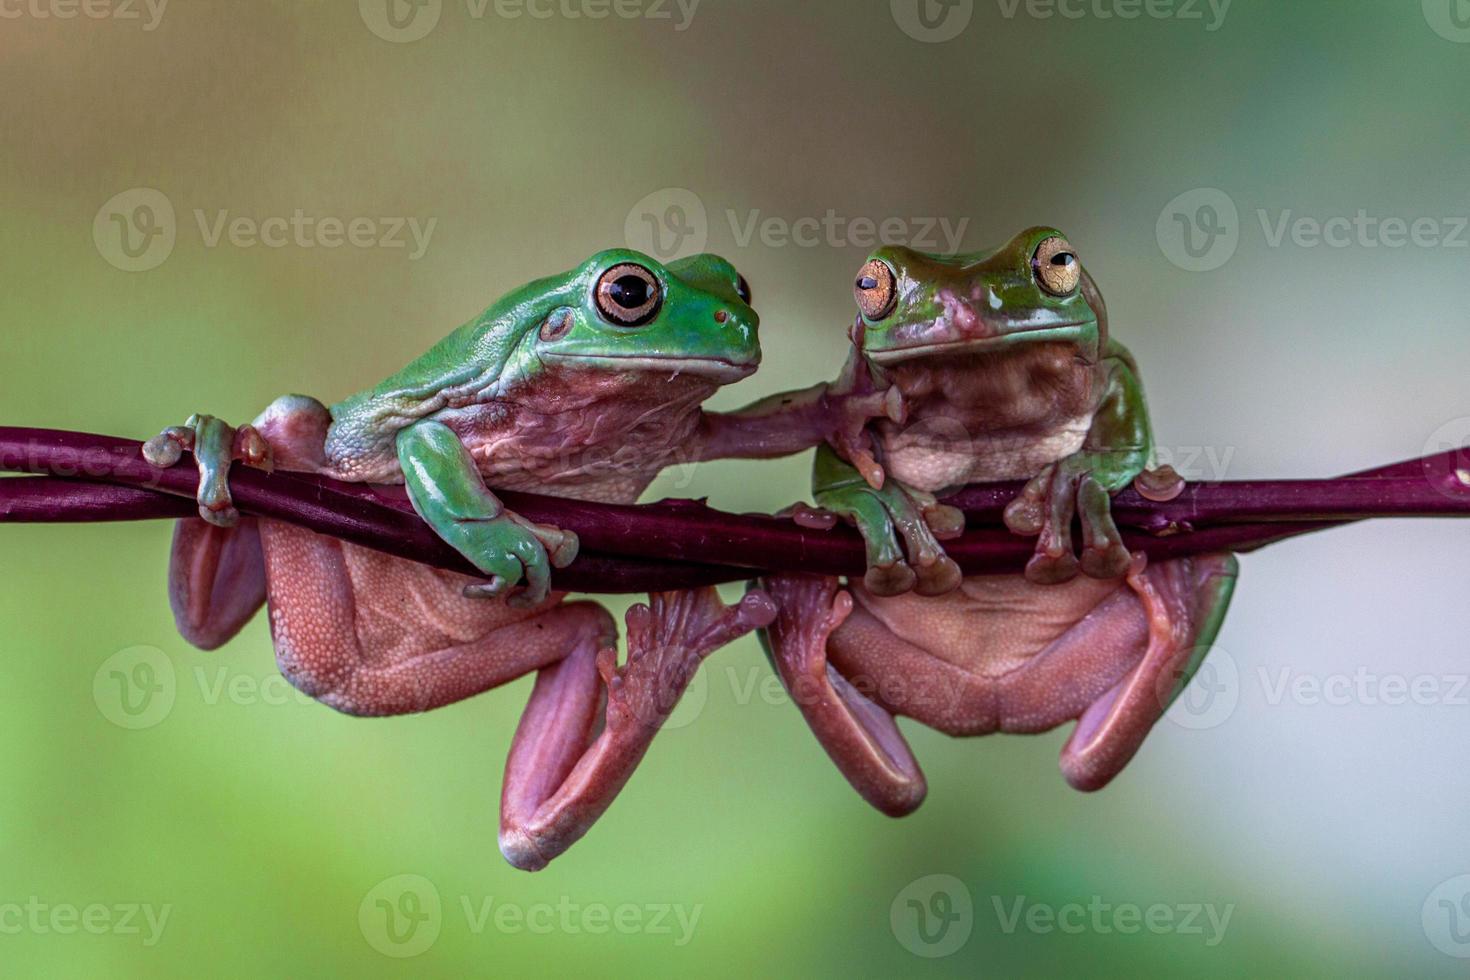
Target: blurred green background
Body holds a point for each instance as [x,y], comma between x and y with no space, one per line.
[1331,829]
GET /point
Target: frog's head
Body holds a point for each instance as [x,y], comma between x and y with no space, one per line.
[623,311]
[915,305]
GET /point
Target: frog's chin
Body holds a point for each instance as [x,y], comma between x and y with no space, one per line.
[714,368]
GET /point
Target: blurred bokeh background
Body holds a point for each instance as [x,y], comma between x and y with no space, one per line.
[1300,792]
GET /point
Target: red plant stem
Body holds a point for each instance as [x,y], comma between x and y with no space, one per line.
[677,544]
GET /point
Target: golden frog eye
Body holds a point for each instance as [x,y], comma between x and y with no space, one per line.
[875,290]
[628,295]
[1056,267]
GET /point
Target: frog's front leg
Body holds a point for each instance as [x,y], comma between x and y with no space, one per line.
[797,420]
[885,514]
[447,491]
[1115,452]
[563,773]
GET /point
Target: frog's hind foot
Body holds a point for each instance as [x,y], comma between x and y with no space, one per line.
[860,736]
[563,772]
[1184,603]
[215,445]
[216,579]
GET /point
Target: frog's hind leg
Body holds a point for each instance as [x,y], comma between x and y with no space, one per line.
[216,573]
[860,736]
[216,579]
[563,772]
[372,635]
[1184,602]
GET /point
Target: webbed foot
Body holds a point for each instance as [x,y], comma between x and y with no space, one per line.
[215,445]
[893,512]
[1078,485]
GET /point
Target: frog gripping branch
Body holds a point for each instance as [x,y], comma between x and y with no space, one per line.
[582,385]
[1004,361]
[415,543]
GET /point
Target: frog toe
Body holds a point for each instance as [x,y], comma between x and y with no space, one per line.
[1046,568]
[939,577]
[889,579]
[1107,562]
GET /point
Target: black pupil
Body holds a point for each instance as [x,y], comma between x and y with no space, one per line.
[630,291]
[1063,259]
[742,289]
[867,282]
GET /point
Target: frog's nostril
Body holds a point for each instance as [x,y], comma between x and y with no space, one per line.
[721,316]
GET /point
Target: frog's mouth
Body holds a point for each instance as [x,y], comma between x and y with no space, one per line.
[1000,340]
[715,368]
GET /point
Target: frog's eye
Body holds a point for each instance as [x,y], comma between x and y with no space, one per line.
[875,290]
[628,295]
[1056,267]
[742,289]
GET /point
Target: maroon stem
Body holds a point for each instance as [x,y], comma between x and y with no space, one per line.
[677,544]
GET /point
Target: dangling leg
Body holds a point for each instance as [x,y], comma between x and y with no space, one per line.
[861,737]
[216,579]
[562,774]
[1184,602]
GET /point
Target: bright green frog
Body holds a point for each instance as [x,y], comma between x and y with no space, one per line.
[585,385]
[1005,365]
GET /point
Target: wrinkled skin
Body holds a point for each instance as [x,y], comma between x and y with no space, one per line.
[583,385]
[1007,372]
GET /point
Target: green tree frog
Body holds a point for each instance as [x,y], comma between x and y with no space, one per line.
[583,385]
[1004,361]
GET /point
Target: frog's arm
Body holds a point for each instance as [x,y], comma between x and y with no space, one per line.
[1114,453]
[1121,438]
[838,486]
[790,422]
[446,490]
